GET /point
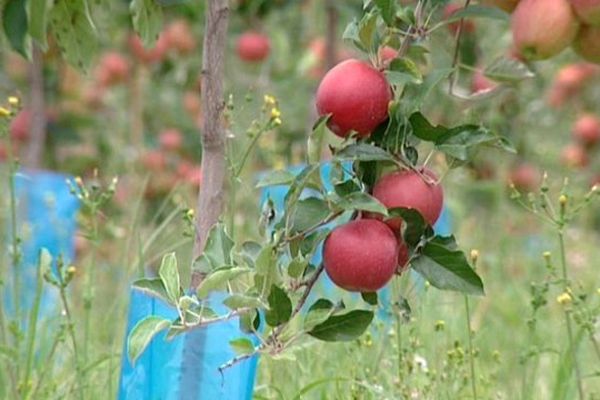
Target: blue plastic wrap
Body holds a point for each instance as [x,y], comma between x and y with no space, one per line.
[46,218]
[159,373]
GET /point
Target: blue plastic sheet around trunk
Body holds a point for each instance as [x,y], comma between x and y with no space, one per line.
[46,218]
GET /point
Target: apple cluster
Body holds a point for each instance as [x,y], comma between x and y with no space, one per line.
[364,254]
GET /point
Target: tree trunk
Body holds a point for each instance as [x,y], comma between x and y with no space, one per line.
[214,168]
[37,133]
[331,36]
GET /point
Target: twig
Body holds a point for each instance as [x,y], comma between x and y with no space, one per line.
[308,231]
[459,31]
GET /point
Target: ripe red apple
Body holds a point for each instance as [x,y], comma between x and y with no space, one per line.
[149,56]
[587,43]
[357,97]
[112,69]
[588,11]
[410,189]
[569,80]
[387,54]
[20,125]
[543,28]
[574,156]
[361,256]
[506,5]
[253,46]
[449,10]
[180,37]
[170,139]
[481,83]
[587,129]
[525,177]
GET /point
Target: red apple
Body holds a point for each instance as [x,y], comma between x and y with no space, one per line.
[253,47]
[357,97]
[180,37]
[574,156]
[449,10]
[588,11]
[154,160]
[361,256]
[587,43]
[543,28]
[525,177]
[410,189]
[387,54]
[149,56]
[113,68]
[170,139]
[506,5]
[20,125]
[587,129]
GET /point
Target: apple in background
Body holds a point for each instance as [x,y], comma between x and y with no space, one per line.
[543,28]
[21,125]
[506,5]
[112,69]
[149,56]
[449,10]
[253,46]
[154,160]
[587,43]
[192,104]
[171,139]
[361,256]
[387,54]
[587,129]
[525,177]
[357,97]
[180,37]
[408,189]
[480,83]
[569,80]
[574,156]
[588,11]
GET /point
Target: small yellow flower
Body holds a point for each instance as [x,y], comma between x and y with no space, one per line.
[79,181]
[275,113]
[270,100]
[439,325]
[71,270]
[190,213]
[564,298]
[562,200]
[279,164]
[4,112]
[474,255]
[277,121]
[13,101]
[598,290]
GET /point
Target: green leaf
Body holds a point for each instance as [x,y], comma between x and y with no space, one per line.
[351,34]
[14,22]
[267,272]
[446,268]
[425,131]
[370,298]
[387,8]
[169,275]
[147,20]
[367,29]
[478,11]
[297,266]
[318,313]
[343,327]
[38,21]
[237,301]
[416,94]
[347,187]
[309,212]
[403,70]
[142,333]
[218,278]
[414,225]
[280,307]
[273,178]
[153,287]
[74,31]
[250,322]
[308,177]
[217,252]
[362,201]
[363,152]
[509,70]
[242,346]
[316,139]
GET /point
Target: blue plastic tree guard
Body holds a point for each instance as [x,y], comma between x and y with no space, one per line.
[161,374]
[161,371]
[46,218]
